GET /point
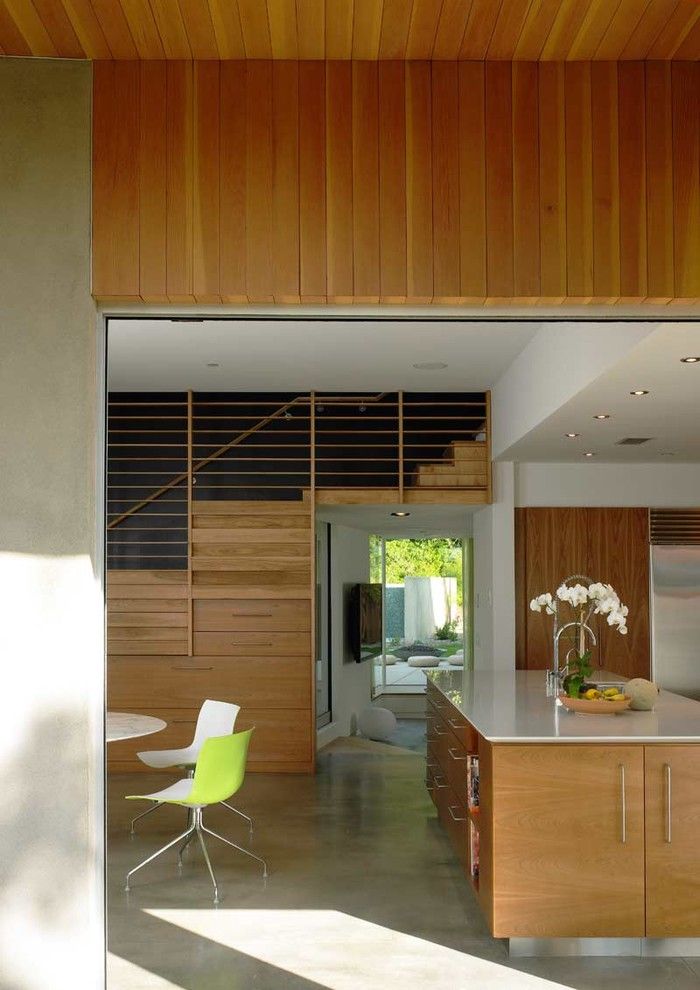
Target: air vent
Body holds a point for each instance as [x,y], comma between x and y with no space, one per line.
[674,527]
[633,441]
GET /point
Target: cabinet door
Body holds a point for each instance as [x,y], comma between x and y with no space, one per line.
[673,841]
[567,840]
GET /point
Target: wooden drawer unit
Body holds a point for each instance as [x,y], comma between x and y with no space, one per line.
[251,644]
[464,732]
[134,682]
[456,760]
[244,615]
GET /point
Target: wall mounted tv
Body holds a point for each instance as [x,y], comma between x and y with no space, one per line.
[365,621]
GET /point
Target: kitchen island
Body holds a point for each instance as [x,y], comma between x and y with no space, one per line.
[577,832]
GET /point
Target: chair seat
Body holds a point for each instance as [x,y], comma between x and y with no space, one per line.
[176,793]
[161,759]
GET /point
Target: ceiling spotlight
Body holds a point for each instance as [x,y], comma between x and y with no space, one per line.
[690,360]
[572,436]
[212,364]
[430,365]
[602,416]
[401,515]
[640,391]
[362,408]
[589,453]
[320,408]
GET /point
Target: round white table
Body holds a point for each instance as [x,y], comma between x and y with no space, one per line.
[124,725]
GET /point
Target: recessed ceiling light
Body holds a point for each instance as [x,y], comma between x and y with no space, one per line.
[212,364]
[640,391]
[430,365]
[572,436]
[690,360]
[589,453]
[602,416]
[401,514]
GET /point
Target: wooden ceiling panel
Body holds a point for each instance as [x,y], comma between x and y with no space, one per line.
[495,30]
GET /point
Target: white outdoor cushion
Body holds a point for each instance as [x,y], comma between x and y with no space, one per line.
[419,661]
[376,723]
[456,660]
[389,659]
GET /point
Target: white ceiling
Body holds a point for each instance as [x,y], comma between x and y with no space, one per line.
[301,355]
[669,414]
[424,520]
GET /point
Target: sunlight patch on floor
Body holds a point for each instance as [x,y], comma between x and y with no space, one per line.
[122,973]
[340,952]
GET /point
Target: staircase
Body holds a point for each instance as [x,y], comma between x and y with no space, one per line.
[465,464]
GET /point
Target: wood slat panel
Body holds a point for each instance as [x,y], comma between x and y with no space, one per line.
[420,182]
[292,616]
[249,643]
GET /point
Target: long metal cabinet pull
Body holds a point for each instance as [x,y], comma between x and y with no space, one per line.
[667,774]
[623,835]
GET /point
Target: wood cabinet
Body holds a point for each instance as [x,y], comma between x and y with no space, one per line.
[672,803]
[608,544]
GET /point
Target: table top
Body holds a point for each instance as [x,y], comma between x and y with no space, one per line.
[512,706]
[124,725]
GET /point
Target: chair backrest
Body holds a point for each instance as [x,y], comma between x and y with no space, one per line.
[216,718]
[220,768]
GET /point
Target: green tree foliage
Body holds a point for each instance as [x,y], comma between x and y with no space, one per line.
[431,557]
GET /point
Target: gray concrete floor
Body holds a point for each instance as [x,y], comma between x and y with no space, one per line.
[364,894]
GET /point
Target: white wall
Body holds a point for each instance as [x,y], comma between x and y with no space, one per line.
[654,485]
[351,682]
[51,774]
[494,575]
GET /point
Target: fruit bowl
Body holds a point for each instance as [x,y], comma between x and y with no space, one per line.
[596,706]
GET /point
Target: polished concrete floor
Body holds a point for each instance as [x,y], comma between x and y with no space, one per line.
[363,894]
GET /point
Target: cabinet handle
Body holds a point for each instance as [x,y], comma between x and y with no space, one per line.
[192,668]
[667,774]
[454,817]
[431,766]
[623,831]
[438,732]
[438,785]
[459,725]
[452,754]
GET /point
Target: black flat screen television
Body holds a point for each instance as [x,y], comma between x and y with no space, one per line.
[365,621]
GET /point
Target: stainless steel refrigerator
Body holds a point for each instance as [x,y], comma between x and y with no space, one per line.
[675,617]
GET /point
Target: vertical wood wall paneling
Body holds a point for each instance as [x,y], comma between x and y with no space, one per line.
[339,201]
[259,273]
[499,180]
[365,181]
[633,201]
[207,208]
[445,168]
[392,182]
[179,181]
[659,181]
[115,247]
[419,183]
[153,219]
[552,134]
[526,182]
[686,186]
[312,181]
[606,189]
[472,182]
[232,182]
[285,182]
[579,184]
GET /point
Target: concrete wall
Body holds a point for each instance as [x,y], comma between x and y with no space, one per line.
[654,485]
[51,924]
[351,682]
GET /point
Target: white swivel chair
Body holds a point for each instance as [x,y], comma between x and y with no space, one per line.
[216,718]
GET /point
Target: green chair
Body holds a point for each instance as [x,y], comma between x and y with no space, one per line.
[218,774]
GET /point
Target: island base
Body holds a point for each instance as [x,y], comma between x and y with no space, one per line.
[648,947]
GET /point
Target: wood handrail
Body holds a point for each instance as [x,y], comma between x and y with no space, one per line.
[185,475]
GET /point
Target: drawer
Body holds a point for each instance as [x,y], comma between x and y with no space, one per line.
[252,615]
[146,682]
[457,770]
[252,644]
[282,739]
[463,730]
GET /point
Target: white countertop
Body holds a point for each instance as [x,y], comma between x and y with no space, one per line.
[512,706]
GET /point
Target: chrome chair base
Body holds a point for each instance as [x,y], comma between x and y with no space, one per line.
[196,828]
[160,804]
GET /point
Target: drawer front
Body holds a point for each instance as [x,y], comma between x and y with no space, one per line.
[252,615]
[251,644]
[463,730]
[146,682]
[282,739]
[457,770]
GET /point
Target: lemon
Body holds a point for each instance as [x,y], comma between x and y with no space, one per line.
[610,692]
[592,694]
[620,697]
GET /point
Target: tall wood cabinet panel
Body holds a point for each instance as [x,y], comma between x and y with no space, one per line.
[607,544]
[672,847]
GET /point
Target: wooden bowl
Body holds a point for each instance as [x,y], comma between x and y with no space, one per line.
[595,707]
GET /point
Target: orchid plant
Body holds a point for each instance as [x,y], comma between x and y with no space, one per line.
[601,599]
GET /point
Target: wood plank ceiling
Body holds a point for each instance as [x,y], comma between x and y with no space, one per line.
[529,30]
